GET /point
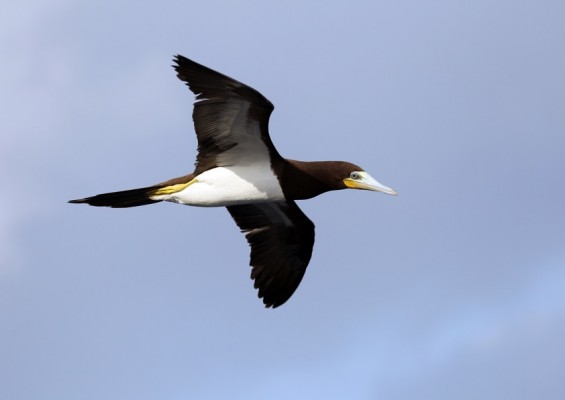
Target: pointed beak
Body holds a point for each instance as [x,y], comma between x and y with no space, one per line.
[367,182]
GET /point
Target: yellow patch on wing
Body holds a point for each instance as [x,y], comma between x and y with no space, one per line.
[163,191]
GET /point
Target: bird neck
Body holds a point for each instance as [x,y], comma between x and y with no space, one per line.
[302,180]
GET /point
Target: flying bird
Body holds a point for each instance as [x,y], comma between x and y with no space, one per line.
[238,167]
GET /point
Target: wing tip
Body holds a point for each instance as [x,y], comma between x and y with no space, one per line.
[178,59]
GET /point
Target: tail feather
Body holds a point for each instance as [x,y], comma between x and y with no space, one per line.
[122,199]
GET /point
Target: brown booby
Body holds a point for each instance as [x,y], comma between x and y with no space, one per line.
[239,168]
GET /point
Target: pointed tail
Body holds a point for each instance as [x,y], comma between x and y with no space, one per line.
[122,199]
[141,196]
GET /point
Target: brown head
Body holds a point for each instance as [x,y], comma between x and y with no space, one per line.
[303,180]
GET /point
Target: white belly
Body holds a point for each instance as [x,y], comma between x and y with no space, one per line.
[224,186]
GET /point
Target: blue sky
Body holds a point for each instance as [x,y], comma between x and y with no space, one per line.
[453,289]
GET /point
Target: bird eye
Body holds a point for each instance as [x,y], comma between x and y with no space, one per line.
[354,175]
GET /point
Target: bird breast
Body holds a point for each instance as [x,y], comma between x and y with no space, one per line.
[225,186]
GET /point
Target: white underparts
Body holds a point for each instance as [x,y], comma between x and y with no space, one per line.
[224,186]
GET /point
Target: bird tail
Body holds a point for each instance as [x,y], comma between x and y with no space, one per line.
[139,197]
[122,199]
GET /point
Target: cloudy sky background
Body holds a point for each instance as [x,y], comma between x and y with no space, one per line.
[452,290]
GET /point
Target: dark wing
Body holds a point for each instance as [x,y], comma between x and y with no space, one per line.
[281,238]
[231,119]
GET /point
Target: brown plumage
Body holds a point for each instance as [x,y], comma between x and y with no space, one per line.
[231,123]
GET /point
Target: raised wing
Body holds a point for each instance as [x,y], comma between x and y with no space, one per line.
[231,119]
[281,238]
